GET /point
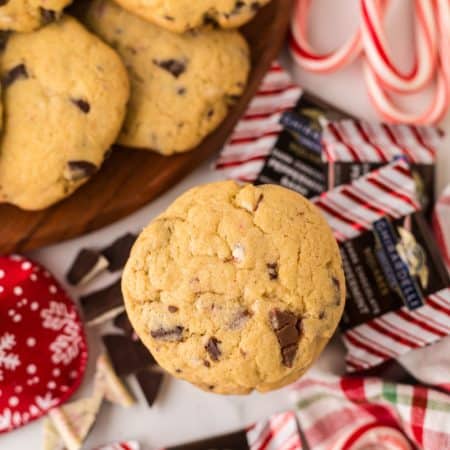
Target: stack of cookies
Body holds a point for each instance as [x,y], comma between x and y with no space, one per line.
[153,75]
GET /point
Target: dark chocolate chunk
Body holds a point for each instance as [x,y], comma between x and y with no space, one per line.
[150,383]
[174,334]
[83,105]
[287,327]
[16,73]
[181,91]
[3,2]
[86,266]
[173,66]
[170,18]
[240,319]
[103,304]
[47,16]
[210,113]
[232,441]
[4,35]
[127,356]
[206,363]
[78,170]
[212,347]
[172,309]
[272,269]
[123,323]
[117,253]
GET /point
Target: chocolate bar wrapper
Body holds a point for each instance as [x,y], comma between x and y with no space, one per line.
[398,296]
[352,148]
[278,432]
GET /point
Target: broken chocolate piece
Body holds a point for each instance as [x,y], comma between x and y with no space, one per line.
[103,304]
[47,16]
[108,384]
[123,323]
[212,347]
[117,253]
[127,356]
[150,383]
[239,319]
[272,268]
[174,334]
[287,327]
[173,66]
[16,73]
[78,170]
[87,265]
[83,105]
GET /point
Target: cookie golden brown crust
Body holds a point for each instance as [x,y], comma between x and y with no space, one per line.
[181,86]
[26,15]
[235,288]
[64,99]
[182,15]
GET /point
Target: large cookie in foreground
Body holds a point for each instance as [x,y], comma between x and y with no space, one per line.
[183,15]
[65,94]
[235,288]
[25,15]
[181,86]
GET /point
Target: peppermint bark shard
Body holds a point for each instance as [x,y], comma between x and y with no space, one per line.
[287,328]
[87,265]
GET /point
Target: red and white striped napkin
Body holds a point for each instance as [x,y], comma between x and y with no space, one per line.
[350,210]
[254,136]
[368,413]
[279,432]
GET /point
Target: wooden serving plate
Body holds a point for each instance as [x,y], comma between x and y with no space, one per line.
[130,179]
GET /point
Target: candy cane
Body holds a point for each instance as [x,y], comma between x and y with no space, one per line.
[432,44]
[441,98]
[378,54]
[304,53]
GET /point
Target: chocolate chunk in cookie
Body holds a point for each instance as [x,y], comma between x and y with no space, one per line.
[16,73]
[83,105]
[272,269]
[174,334]
[287,327]
[173,66]
[212,347]
[47,16]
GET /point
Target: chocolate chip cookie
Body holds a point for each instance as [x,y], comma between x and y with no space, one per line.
[235,288]
[182,15]
[64,100]
[181,85]
[25,15]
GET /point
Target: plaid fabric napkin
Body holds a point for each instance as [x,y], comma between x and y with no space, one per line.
[368,413]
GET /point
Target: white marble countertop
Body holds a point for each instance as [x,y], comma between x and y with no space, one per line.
[182,412]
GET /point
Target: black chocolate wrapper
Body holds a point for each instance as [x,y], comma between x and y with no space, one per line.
[232,441]
[294,166]
[395,264]
[345,172]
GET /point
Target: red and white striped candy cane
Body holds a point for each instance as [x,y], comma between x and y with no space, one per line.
[377,51]
[432,26]
[307,57]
